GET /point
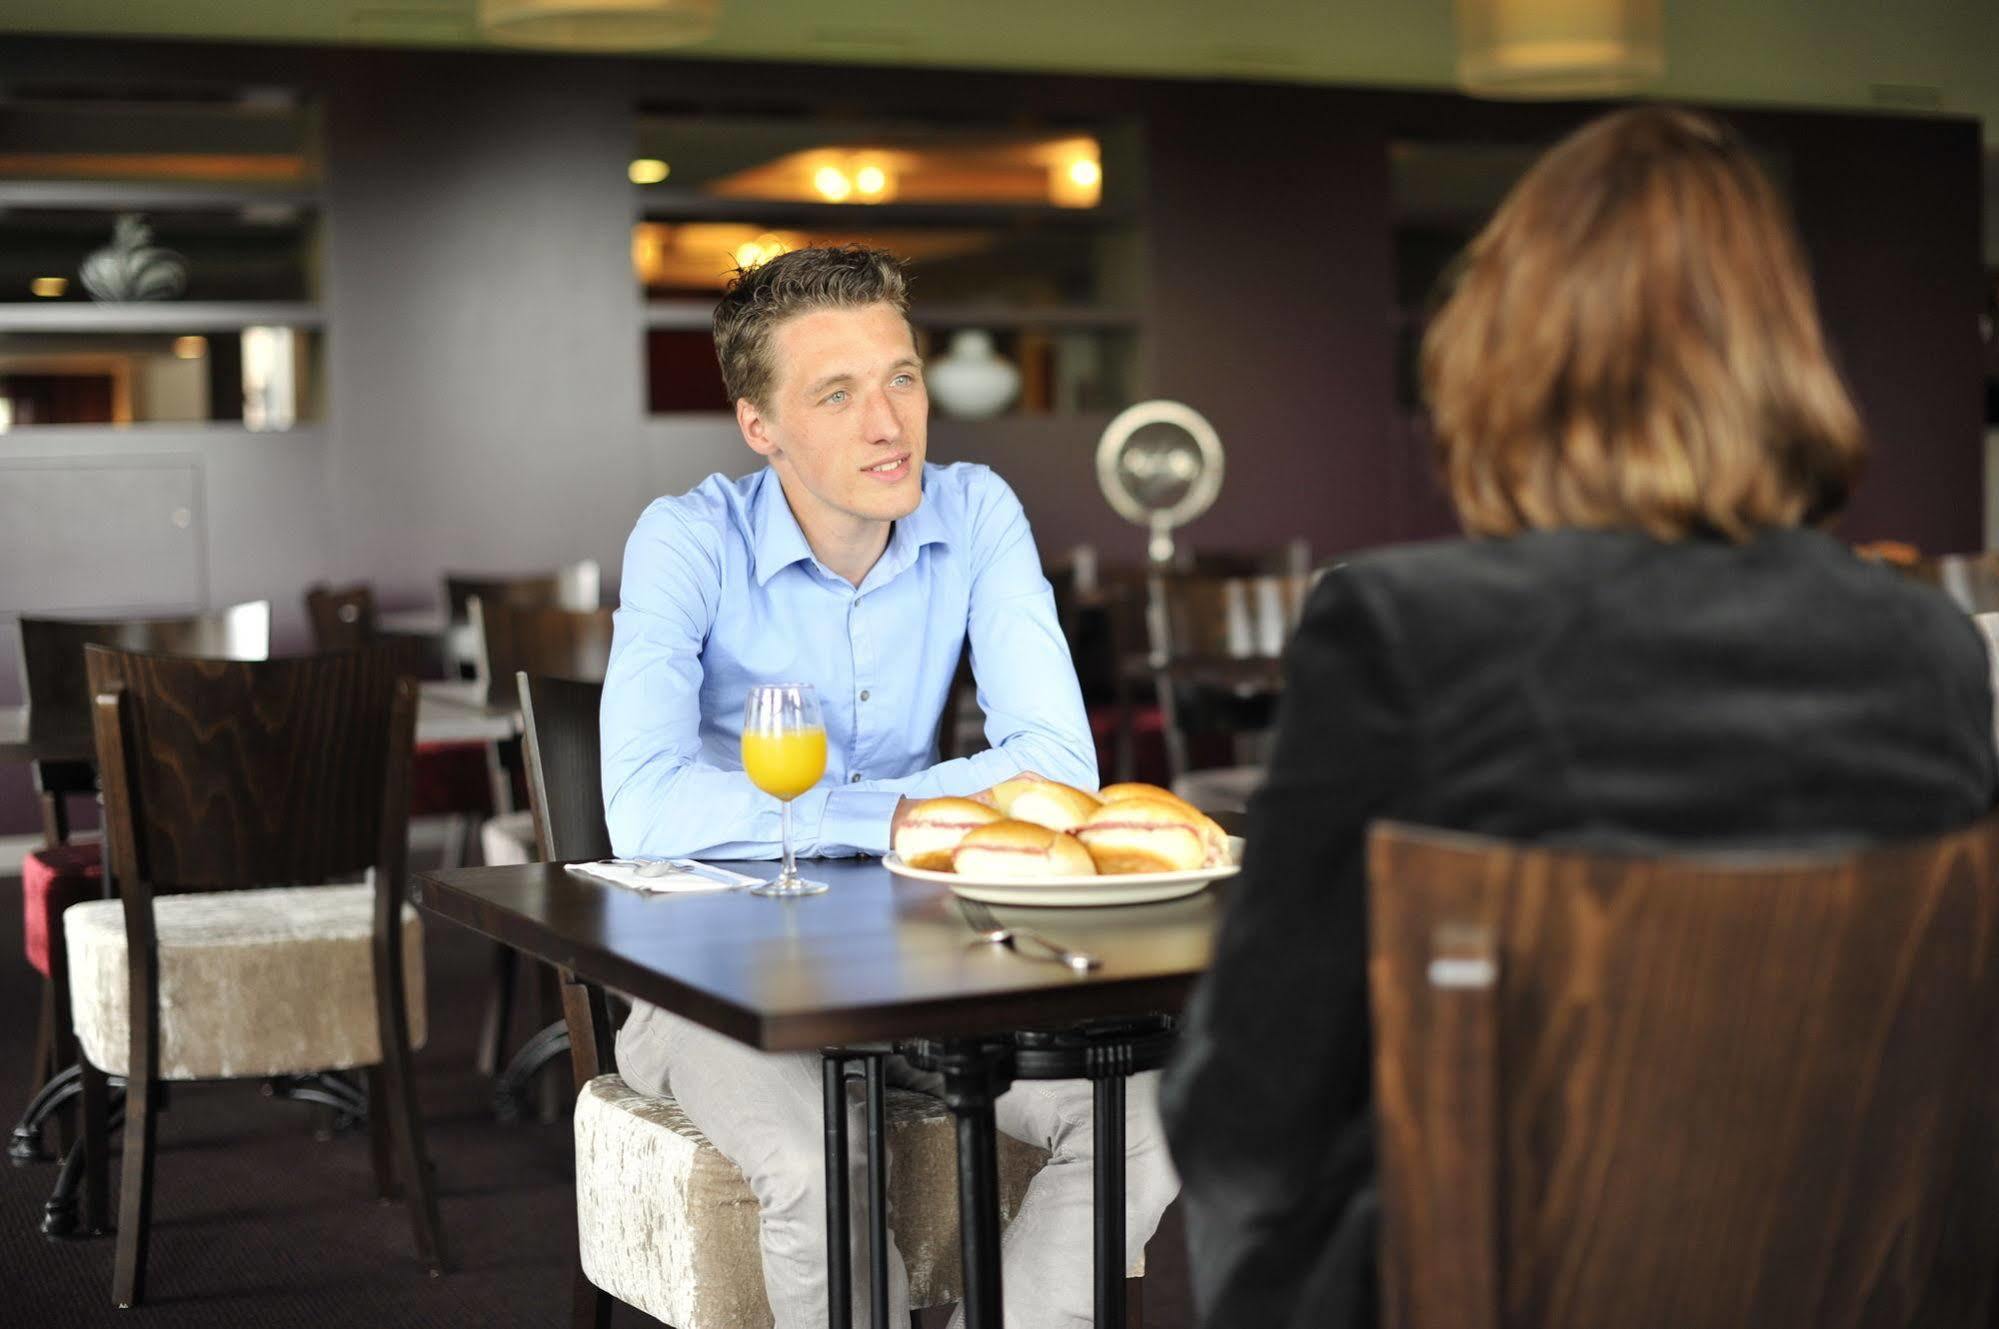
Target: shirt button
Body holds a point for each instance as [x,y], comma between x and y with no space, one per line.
[864,694]
[855,778]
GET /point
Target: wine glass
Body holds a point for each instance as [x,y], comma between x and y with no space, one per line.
[784,754]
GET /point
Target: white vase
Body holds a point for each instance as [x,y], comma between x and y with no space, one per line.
[971,382]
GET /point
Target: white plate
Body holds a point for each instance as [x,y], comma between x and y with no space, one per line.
[1117,888]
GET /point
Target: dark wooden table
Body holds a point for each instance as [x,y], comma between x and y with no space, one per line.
[874,959]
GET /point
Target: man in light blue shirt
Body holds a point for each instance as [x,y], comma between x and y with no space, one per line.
[849,564]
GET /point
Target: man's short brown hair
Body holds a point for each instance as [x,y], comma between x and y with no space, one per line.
[758,299]
[1632,342]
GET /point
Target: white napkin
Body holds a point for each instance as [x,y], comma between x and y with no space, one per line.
[701,879]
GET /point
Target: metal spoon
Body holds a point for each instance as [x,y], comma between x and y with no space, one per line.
[989,929]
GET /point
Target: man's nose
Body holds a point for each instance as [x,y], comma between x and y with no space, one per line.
[883,422]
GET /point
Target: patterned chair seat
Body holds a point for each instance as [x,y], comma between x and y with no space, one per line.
[667,1224]
[272,981]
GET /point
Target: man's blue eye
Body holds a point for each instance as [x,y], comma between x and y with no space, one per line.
[837,396]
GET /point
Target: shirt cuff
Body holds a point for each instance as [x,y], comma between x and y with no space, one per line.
[857,821]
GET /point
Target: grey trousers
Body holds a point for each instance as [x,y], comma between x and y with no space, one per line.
[764,1111]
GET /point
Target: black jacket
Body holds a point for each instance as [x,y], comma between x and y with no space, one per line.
[1596,687]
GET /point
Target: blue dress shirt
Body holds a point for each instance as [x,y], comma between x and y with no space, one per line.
[720,592]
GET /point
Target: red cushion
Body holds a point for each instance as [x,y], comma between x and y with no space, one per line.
[51,881]
[450,777]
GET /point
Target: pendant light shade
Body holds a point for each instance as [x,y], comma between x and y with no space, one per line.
[1558,48]
[598,25]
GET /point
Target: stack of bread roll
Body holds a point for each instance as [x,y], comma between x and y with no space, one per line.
[1040,828]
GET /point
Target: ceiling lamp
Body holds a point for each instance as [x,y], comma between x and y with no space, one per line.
[1558,48]
[598,25]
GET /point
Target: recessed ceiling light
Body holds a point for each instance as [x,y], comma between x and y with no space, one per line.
[648,171]
[49,288]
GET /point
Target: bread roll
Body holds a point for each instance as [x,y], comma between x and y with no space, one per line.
[1021,850]
[1059,807]
[1213,837]
[931,829]
[1145,835]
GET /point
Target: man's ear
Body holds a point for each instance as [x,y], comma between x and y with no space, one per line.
[756,428]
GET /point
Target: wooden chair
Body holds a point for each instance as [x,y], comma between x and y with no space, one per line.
[342,617]
[61,874]
[221,778]
[1216,646]
[1753,1089]
[668,1224]
[552,642]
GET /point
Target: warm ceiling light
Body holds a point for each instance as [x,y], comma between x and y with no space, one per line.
[598,25]
[872,183]
[49,288]
[190,348]
[648,171]
[1076,178]
[1085,173]
[1558,48]
[760,250]
[832,184]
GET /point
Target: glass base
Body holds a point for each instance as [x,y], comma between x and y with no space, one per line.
[785,886]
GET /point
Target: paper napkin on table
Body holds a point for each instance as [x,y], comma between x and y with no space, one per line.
[701,879]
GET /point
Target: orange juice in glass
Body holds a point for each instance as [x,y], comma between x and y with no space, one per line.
[784,754]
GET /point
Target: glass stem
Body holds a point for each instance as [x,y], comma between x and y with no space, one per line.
[790,867]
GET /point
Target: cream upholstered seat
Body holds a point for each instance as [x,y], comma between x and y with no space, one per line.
[507,839]
[667,1224]
[274,981]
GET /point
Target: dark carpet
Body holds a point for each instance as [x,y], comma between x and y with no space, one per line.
[258,1223]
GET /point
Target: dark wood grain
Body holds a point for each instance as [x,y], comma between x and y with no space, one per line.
[563,747]
[1755,1090]
[222,775]
[526,591]
[543,640]
[876,957]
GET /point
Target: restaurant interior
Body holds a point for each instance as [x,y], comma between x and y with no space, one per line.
[376,324]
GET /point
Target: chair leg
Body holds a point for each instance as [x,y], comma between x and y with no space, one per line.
[412,1162]
[589,1305]
[135,1195]
[96,1119]
[381,1136]
[45,1024]
[499,1010]
[62,1033]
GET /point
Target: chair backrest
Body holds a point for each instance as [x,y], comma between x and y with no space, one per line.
[1745,1090]
[542,640]
[565,767]
[573,586]
[342,617]
[1234,618]
[224,774]
[52,668]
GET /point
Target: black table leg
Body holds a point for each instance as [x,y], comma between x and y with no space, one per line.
[877,1197]
[839,1252]
[1109,1201]
[975,1075]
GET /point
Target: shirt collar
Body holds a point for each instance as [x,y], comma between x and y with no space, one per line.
[778,541]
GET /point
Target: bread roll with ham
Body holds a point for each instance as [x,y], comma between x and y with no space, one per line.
[1213,837]
[1016,850]
[1057,806]
[1148,835]
[931,830]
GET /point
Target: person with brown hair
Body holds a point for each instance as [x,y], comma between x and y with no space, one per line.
[1646,640]
[849,563]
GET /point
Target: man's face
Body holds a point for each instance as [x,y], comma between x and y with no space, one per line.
[845,424]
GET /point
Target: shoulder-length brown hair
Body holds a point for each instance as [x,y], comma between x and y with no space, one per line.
[1632,342]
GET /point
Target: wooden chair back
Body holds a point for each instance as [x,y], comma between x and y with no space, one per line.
[1215,645]
[542,640]
[565,766]
[572,586]
[561,741]
[225,774]
[1753,1090]
[52,668]
[342,617]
